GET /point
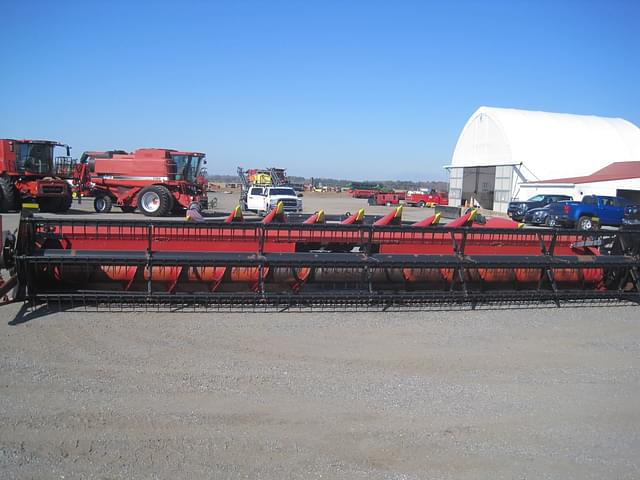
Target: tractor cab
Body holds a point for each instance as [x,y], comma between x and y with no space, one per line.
[36,157]
[188,166]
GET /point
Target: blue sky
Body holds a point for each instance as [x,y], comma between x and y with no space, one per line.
[343,89]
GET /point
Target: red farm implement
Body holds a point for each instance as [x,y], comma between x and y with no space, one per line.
[30,171]
[156,181]
[351,264]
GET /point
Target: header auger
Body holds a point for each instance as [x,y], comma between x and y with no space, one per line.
[353,263]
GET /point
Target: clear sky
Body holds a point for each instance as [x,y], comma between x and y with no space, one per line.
[343,89]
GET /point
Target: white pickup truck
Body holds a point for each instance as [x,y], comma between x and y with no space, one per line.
[262,199]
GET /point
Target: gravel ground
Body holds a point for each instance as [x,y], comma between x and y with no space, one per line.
[514,394]
[539,393]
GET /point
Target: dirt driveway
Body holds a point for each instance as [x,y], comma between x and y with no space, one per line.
[539,393]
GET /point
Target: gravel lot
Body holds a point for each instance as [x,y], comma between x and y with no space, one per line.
[533,393]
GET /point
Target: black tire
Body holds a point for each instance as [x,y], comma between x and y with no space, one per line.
[585,223]
[48,204]
[550,222]
[8,195]
[127,208]
[103,204]
[155,201]
[178,209]
[421,204]
[64,203]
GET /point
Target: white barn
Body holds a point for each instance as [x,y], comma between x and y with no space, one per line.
[500,149]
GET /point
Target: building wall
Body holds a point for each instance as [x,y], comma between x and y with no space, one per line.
[577,191]
[493,186]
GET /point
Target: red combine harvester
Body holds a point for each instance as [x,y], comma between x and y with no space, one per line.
[29,171]
[354,263]
[156,181]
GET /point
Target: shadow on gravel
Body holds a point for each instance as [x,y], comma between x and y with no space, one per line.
[28,313]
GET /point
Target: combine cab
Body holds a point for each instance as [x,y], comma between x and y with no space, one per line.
[355,262]
[156,181]
[29,171]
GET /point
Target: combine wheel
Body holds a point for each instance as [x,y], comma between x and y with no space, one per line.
[8,195]
[49,204]
[103,204]
[155,201]
[64,203]
[586,223]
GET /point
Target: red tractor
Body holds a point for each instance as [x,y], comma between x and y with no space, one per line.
[29,171]
[157,181]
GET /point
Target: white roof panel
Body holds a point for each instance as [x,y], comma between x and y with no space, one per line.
[548,145]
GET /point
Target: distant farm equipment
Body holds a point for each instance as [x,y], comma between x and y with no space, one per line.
[365,189]
[426,198]
[387,198]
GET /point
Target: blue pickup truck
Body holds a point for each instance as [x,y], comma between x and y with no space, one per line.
[589,214]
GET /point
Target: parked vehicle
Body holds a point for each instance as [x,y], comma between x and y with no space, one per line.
[592,212]
[30,171]
[537,216]
[387,199]
[426,199]
[261,188]
[261,200]
[157,181]
[366,189]
[518,209]
[631,215]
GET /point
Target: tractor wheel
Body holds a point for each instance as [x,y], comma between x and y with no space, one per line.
[585,223]
[64,203]
[155,201]
[127,208]
[102,204]
[8,195]
[421,204]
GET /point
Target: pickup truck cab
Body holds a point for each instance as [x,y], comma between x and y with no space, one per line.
[518,209]
[591,212]
[262,199]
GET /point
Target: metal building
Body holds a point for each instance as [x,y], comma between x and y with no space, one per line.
[499,149]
